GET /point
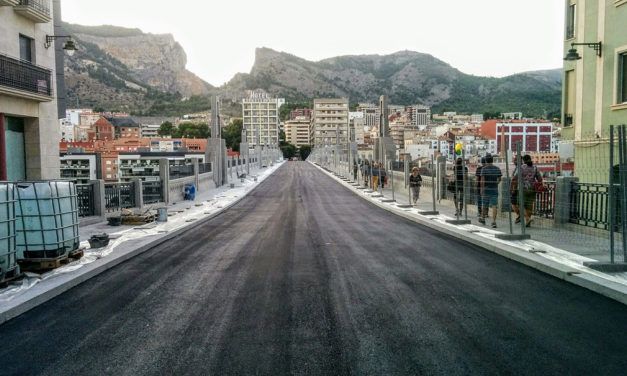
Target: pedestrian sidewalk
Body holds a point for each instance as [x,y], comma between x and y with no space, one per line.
[126,242]
[559,252]
[591,244]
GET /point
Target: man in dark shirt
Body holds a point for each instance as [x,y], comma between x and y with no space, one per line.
[490,179]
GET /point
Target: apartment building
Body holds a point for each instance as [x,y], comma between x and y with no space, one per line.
[260,115]
[29,121]
[535,136]
[330,125]
[297,131]
[595,81]
[420,115]
[80,168]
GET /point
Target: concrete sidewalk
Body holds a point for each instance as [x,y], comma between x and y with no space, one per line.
[126,242]
[559,262]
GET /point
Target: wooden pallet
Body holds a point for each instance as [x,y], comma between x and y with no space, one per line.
[77,255]
[42,265]
[9,276]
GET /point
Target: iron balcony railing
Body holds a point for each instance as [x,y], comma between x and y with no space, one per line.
[151,192]
[22,75]
[119,196]
[42,6]
[181,171]
[85,195]
[589,205]
[203,168]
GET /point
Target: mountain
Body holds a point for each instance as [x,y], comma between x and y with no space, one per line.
[406,77]
[126,69]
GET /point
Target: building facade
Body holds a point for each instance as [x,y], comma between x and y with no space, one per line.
[297,131]
[260,115]
[594,86]
[29,121]
[330,125]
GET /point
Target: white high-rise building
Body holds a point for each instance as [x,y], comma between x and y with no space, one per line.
[330,124]
[420,116]
[297,131]
[261,118]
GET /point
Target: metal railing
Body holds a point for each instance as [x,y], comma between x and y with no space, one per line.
[204,168]
[42,6]
[589,205]
[181,171]
[151,192]
[119,196]
[23,75]
[545,201]
[85,197]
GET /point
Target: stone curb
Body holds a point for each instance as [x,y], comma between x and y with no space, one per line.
[610,289]
[106,264]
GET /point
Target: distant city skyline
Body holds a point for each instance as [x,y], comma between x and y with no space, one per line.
[484,37]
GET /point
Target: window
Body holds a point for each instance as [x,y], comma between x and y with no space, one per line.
[622,77]
[26,48]
[571,17]
[569,105]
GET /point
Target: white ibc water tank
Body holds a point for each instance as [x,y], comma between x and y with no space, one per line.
[8,260]
[47,219]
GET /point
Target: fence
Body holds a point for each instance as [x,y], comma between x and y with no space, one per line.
[204,168]
[119,196]
[589,205]
[151,192]
[85,196]
[181,171]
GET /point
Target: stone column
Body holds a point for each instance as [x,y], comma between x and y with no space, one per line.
[139,193]
[164,175]
[100,205]
[196,173]
[563,198]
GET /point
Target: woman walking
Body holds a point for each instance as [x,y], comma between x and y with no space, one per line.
[415,182]
[530,178]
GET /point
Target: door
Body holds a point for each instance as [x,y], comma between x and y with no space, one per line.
[14,146]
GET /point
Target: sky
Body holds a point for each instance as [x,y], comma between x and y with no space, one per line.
[480,37]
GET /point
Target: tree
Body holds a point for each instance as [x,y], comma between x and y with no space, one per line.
[288,150]
[232,134]
[304,151]
[166,129]
[192,130]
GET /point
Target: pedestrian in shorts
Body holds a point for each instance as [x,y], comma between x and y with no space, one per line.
[490,179]
[415,182]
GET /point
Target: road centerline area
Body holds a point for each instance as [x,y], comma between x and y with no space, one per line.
[303,277]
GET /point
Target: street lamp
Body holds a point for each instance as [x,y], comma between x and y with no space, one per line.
[573,55]
[69,46]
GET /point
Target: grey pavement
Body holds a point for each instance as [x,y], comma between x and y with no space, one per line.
[304,277]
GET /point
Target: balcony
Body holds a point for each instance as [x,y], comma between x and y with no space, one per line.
[23,79]
[9,2]
[36,10]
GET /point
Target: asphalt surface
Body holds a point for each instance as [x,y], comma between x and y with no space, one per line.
[303,277]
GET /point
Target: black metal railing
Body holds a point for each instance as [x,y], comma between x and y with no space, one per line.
[181,171]
[151,192]
[42,6]
[85,196]
[589,205]
[23,75]
[568,120]
[545,201]
[119,196]
[204,168]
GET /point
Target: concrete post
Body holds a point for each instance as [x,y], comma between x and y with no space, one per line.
[505,200]
[100,205]
[196,174]
[563,195]
[139,193]
[441,178]
[164,175]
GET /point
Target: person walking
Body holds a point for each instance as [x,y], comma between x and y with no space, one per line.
[479,202]
[366,173]
[490,179]
[460,173]
[355,169]
[375,176]
[415,182]
[530,177]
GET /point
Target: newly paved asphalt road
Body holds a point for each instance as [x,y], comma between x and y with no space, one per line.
[303,277]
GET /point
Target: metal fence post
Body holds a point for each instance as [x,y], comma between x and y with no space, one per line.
[196,174]
[164,175]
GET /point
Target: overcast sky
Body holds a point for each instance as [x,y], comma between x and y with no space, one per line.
[481,37]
